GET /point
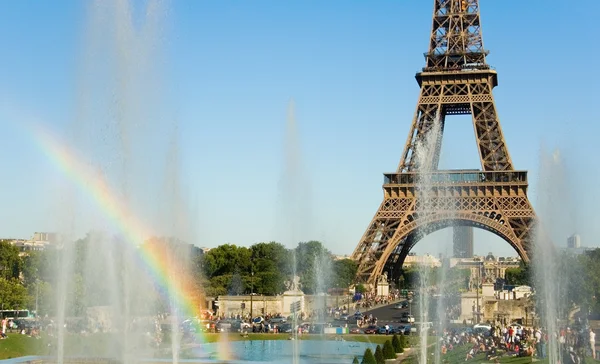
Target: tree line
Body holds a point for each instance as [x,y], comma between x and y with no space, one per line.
[32,280]
[577,282]
[268,269]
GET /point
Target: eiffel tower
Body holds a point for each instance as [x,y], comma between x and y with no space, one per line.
[456,80]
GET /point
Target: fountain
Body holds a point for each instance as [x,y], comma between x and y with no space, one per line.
[425,153]
[440,305]
[554,208]
[114,155]
[295,207]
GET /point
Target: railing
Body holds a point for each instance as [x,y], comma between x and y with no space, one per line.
[455,177]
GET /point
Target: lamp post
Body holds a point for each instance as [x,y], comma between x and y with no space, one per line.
[251,294]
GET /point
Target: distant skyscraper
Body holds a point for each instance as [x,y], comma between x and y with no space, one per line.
[574,242]
[463,241]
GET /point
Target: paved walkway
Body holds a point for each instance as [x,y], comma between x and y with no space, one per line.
[381,305]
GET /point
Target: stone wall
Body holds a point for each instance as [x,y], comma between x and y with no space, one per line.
[231,305]
[504,310]
[315,302]
[468,306]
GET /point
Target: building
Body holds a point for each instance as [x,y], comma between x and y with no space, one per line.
[45,237]
[574,242]
[488,268]
[463,241]
[39,241]
[426,260]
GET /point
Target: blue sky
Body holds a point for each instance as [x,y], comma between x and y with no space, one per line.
[227,70]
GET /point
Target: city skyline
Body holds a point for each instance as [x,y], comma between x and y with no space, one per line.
[231,70]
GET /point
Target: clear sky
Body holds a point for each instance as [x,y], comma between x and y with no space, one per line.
[225,72]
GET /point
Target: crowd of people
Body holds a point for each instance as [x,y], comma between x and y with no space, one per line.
[371,299]
[519,341]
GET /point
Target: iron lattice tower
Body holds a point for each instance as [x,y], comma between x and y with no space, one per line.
[456,80]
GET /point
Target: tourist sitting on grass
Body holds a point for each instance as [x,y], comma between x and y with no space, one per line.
[570,356]
[471,353]
[492,352]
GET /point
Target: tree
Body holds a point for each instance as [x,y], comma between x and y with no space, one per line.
[359,288]
[396,344]
[13,296]
[41,297]
[236,286]
[379,357]
[344,272]
[388,350]
[10,261]
[76,295]
[272,268]
[355,361]
[518,276]
[368,357]
[313,265]
[225,259]
[403,342]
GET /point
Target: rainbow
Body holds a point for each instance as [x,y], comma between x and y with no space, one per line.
[176,284]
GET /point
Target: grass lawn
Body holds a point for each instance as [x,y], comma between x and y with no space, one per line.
[21,345]
[459,354]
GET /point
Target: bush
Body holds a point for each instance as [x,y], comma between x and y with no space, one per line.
[368,358]
[396,344]
[388,350]
[355,361]
[379,358]
[403,342]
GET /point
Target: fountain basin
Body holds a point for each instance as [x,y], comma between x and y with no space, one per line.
[250,351]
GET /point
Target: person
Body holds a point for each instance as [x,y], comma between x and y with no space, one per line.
[593,342]
[4,323]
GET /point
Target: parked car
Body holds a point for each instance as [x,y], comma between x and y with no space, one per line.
[401,305]
[240,325]
[354,329]
[409,319]
[383,331]
[223,326]
[371,329]
[403,329]
[284,328]
[277,320]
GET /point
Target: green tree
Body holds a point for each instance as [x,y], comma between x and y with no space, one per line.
[379,357]
[76,295]
[368,357]
[403,342]
[360,288]
[313,264]
[31,267]
[271,264]
[396,344]
[10,261]
[226,259]
[355,361]
[13,295]
[388,350]
[518,276]
[41,297]
[218,285]
[344,273]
